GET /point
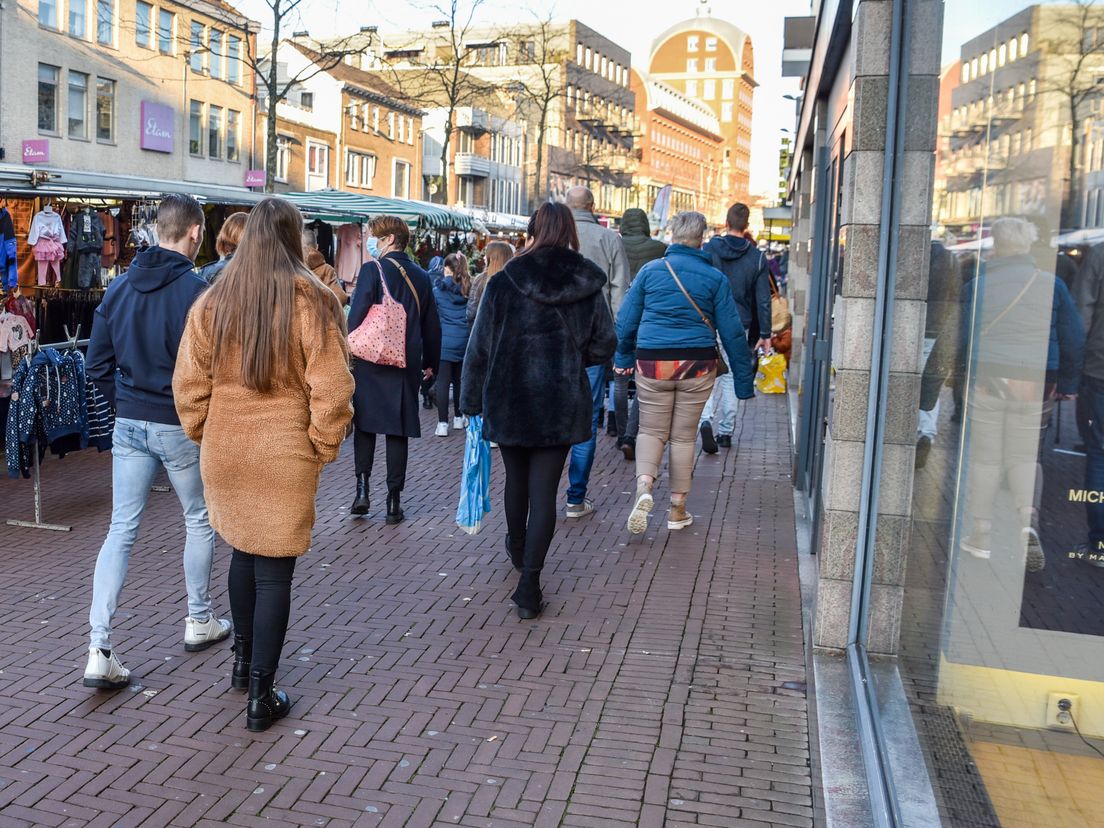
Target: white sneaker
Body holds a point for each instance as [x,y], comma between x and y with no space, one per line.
[199,635]
[459,423]
[494,445]
[105,672]
[442,430]
[642,507]
[579,510]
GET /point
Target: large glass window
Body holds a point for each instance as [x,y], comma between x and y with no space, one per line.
[217,53]
[214,131]
[143,22]
[78,104]
[233,59]
[401,181]
[48,13]
[78,18]
[48,97]
[105,110]
[105,22]
[166,22]
[195,128]
[195,47]
[233,139]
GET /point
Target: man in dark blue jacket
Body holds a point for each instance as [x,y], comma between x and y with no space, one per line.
[131,359]
[745,265]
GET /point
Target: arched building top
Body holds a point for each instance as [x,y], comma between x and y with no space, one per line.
[736,42]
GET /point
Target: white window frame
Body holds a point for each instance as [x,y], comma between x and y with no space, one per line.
[108,21]
[55,7]
[397,165]
[236,132]
[321,151]
[83,34]
[114,87]
[691,64]
[71,75]
[692,43]
[283,157]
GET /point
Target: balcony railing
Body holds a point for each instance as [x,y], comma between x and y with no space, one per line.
[470,164]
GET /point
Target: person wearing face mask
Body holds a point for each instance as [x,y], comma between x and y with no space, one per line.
[131,358]
[386,398]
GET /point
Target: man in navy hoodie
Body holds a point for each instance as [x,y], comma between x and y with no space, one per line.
[131,358]
[748,274]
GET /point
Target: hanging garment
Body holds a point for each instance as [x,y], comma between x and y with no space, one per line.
[325,235]
[350,251]
[88,270]
[89,232]
[101,418]
[110,253]
[15,333]
[9,262]
[46,223]
[22,306]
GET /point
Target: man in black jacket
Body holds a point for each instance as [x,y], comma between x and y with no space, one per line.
[131,359]
[745,265]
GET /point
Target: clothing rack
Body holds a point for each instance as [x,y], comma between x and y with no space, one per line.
[71,343]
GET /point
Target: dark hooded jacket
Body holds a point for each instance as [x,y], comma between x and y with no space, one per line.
[749,276]
[543,320]
[136,333]
[636,233]
[452,308]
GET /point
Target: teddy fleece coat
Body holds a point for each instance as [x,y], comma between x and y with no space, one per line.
[542,321]
[261,455]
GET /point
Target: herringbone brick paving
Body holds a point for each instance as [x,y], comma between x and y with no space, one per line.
[650,693]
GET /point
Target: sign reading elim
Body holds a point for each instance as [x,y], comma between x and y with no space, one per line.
[158,126]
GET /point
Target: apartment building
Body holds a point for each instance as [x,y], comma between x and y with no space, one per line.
[159,90]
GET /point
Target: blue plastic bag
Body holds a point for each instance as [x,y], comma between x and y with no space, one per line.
[475,482]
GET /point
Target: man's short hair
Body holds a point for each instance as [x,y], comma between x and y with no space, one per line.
[738,217]
[176,215]
[580,198]
[381,226]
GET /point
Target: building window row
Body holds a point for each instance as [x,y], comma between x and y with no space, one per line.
[996,57]
[214,132]
[215,52]
[694,41]
[583,99]
[608,68]
[1013,97]
[89,103]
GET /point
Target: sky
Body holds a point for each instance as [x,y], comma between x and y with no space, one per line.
[632,24]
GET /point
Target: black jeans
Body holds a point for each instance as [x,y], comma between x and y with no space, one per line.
[532,479]
[398,449]
[627,412]
[260,603]
[448,374]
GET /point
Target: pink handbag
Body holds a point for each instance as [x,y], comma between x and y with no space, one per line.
[381,337]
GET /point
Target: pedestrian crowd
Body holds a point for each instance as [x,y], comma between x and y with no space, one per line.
[244,380]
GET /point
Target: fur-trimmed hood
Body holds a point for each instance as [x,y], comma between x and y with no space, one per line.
[555,276]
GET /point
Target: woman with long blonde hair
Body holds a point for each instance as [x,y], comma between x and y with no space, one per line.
[495,256]
[262,383]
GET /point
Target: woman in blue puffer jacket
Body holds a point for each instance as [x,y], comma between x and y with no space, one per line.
[451,294]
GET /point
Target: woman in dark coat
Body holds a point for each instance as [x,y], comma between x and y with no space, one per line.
[386,398]
[543,320]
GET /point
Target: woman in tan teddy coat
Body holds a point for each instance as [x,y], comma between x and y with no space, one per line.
[262,383]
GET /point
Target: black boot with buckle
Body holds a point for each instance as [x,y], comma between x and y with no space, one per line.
[266,703]
[243,655]
[360,505]
[394,509]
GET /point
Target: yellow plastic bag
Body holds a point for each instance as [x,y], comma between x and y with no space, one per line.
[771,378]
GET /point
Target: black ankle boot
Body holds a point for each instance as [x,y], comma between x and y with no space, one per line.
[360,505]
[266,703]
[394,510]
[243,655]
[527,596]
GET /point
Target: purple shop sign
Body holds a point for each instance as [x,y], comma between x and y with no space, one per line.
[36,151]
[158,124]
[255,178]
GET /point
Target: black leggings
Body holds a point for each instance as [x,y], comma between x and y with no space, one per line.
[260,602]
[448,374]
[398,450]
[532,479]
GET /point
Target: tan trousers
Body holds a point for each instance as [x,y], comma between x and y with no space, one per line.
[669,413]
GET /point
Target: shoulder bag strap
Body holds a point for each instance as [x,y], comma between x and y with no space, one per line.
[383,283]
[410,285]
[985,331]
[690,299]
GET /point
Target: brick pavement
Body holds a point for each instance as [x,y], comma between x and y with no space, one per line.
[652,692]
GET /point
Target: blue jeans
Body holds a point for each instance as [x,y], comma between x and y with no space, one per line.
[582,454]
[720,410]
[139,449]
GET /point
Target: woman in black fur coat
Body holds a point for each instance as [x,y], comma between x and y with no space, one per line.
[543,319]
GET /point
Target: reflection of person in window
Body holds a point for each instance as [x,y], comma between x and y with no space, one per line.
[1090,298]
[1025,341]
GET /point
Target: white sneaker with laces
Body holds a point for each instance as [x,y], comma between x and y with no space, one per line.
[459,423]
[442,430]
[579,510]
[199,635]
[105,672]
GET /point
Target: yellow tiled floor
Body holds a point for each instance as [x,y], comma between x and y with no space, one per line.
[1033,788]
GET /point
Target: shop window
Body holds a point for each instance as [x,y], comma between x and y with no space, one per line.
[78,18]
[48,77]
[195,128]
[233,137]
[105,22]
[166,21]
[214,131]
[216,46]
[692,42]
[401,181]
[143,22]
[195,58]
[105,110]
[48,13]
[233,60]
